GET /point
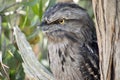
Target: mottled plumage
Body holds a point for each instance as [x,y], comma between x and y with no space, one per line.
[73,50]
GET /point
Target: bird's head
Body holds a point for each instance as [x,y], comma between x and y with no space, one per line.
[66,20]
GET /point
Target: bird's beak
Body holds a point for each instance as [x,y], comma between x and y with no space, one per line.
[42,24]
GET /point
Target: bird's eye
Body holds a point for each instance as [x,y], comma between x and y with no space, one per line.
[61,21]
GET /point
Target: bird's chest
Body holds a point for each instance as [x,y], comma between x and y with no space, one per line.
[62,61]
[57,56]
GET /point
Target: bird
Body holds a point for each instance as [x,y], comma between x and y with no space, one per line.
[72,43]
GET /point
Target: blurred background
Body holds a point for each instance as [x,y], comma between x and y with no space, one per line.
[27,15]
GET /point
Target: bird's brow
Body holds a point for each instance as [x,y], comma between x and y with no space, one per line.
[57,21]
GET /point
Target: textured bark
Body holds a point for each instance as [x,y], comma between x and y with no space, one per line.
[107,17]
[32,68]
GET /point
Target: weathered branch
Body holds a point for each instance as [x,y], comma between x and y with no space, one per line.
[31,65]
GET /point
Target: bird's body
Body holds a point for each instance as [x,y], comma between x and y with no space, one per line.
[73,52]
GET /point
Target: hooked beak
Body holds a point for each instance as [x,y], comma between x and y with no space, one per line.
[43,26]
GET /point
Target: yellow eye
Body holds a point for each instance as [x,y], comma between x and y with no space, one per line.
[61,21]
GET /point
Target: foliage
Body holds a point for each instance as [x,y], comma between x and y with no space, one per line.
[26,14]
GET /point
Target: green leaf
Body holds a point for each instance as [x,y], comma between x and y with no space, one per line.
[31,3]
[40,10]
[51,3]
[35,9]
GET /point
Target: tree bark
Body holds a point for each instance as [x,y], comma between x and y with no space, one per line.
[107,20]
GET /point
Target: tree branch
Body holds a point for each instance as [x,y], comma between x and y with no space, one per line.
[31,65]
